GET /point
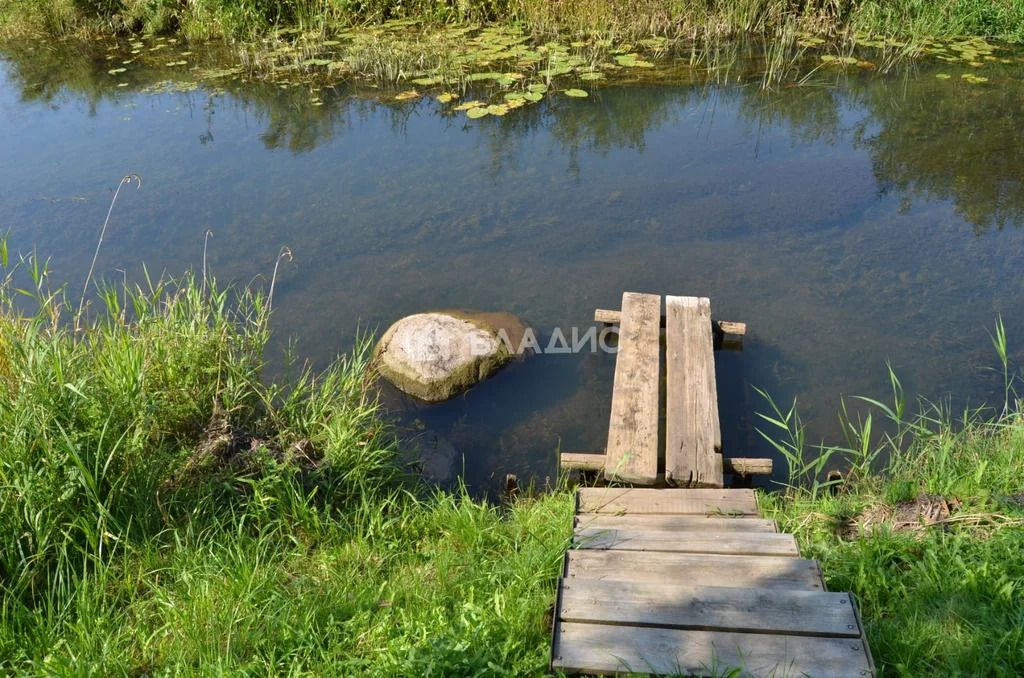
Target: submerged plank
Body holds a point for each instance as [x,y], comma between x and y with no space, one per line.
[709,608]
[693,439]
[632,451]
[609,649]
[675,523]
[617,500]
[767,572]
[737,543]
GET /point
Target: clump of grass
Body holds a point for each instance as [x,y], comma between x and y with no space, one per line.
[166,508]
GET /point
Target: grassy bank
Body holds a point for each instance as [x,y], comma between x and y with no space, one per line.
[930,541]
[246,19]
[165,510]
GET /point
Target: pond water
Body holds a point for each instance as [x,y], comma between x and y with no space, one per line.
[857,219]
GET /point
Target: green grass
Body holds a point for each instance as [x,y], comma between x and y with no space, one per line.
[246,19]
[940,595]
[165,510]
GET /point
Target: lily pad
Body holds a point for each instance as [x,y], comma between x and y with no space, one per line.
[478,112]
[943,76]
[578,93]
[405,96]
[474,77]
[538,88]
[533,96]
[592,76]
[447,97]
[495,109]
[115,71]
[469,105]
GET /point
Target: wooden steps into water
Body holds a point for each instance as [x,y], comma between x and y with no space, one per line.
[692,455]
[687,579]
[664,582]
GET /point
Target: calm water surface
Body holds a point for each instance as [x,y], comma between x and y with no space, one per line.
[853,221]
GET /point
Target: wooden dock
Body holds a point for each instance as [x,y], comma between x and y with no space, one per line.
[692,454]
[690,581]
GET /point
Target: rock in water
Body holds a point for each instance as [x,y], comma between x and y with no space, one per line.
[436,356]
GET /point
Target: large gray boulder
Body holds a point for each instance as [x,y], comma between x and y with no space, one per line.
[436,356]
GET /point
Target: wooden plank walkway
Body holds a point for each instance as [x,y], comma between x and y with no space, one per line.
[632,453]
[693,438]
[689,581]
[694,582]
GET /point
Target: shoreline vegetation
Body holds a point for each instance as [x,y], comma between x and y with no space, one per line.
[164,509]
[581,19]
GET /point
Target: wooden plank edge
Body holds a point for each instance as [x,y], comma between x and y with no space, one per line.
[609,317]
[745,466]
[863,634]
[582,461]
[556,616]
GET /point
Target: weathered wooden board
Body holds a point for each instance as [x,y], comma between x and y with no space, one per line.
[736,543]
[674,523]
[747,466]
[632,451]
[582,461]
[617,500]
[610,649]
[769,572]
[709,608]
[693,438]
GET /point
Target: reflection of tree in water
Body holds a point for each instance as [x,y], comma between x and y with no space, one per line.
[810,112]
[928,139]
[949,141]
